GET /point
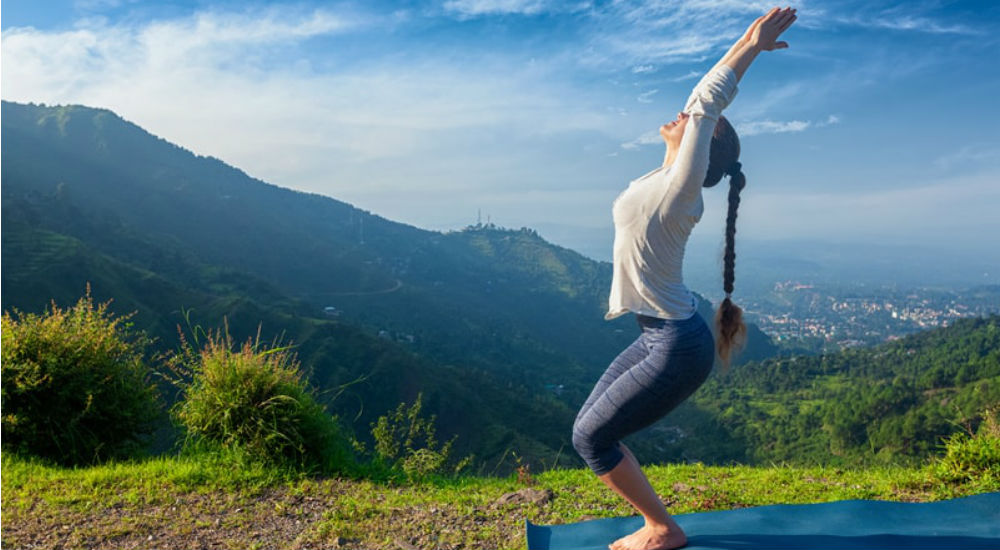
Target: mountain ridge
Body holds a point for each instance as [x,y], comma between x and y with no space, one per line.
[155,222]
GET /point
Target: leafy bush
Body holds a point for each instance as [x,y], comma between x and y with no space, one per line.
[405,440]
[252,403]
[75,387]
[973,457]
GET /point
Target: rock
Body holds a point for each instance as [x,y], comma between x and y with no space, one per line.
[537,496]
[341,542]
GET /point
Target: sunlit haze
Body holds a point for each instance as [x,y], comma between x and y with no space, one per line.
[878,125]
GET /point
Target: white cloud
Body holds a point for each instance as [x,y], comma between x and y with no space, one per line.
[689,76]
[944,213]
[661,32]
[97,5]
[756,127]
[651,137]
[934,212]
[472,8]
[899,16]
[906,23]
[770,127]
[744,129]
[970,155]
[411,134]
[239,86]
[644,97]
[467,9]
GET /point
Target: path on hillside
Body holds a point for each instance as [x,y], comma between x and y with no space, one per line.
[397,286]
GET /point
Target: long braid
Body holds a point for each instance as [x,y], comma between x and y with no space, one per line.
[729,319]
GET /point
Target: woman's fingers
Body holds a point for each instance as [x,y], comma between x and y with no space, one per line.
[784,16]
[784,27]
[788,23]
[784,20]
[769,26]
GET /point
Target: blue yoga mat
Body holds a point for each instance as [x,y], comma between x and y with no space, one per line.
[963,523]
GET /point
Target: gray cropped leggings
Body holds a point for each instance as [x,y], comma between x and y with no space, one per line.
[667,363]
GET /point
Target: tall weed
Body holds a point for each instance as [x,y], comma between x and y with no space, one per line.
[973,456]
[405,440]
[251,403]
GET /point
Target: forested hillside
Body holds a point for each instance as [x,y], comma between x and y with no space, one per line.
[483,296]
[475,319]
[502,331]
[890,404]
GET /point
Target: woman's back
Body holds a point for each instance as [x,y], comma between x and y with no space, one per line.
[654,216]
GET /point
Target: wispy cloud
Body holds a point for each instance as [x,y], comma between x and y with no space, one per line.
[757,127]
[907,22]
[970,155]
[473,8]
[744,129]
[467,9]
[754,128]
[240,87]
[690,75]
[419,112]
[662,32]
[644,97]
[935,211]
[98,5]
[913,16]
[651,137]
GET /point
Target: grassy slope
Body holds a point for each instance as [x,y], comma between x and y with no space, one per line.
[179,502]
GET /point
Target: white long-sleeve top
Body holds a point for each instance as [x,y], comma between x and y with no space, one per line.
[655,214]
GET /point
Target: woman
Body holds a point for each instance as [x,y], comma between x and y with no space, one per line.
[675,350]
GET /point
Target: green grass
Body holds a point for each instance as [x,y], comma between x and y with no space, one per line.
[193,500]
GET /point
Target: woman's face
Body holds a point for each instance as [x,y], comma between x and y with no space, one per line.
[674,130]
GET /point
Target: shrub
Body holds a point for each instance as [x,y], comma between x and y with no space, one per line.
[253,403]
[75,387]
[405,440]
[973,457]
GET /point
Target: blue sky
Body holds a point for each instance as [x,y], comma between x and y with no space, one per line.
[878,125]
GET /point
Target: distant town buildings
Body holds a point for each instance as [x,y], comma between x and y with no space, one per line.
[849,316]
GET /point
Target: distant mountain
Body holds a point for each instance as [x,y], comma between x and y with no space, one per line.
[499,326]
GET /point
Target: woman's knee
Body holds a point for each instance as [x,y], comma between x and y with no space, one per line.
[582,441]
[601,456]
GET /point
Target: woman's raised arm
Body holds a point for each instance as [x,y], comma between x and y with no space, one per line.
[761,36]
[712,94]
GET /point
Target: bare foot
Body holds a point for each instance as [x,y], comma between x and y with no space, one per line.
[651,537]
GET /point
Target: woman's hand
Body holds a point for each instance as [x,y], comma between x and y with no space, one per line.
[763,33]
